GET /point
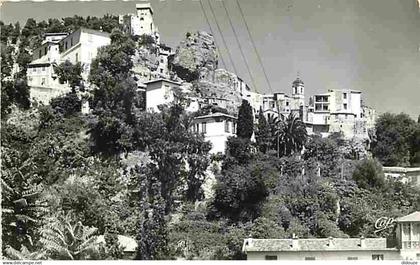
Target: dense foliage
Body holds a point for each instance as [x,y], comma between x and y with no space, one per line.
[69,177]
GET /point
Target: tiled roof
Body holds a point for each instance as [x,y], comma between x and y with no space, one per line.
[413,217]
[162,80]
[213,115]
[315,244]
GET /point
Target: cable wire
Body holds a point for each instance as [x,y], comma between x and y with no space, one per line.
[223,39]
[212,33]
[254,46]
[240,47]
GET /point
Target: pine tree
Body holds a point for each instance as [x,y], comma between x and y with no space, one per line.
[245,121]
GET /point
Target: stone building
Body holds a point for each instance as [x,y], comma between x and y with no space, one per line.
[407,246]
[339,110]
[140,23]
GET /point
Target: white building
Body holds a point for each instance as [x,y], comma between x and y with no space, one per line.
[80,46]
[216,127]
[408,175]
[140,23]
[159,92]
[41,78]
[406,247]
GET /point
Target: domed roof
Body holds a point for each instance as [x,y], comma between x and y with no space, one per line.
[298,81]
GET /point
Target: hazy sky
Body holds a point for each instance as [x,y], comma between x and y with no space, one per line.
[368,45]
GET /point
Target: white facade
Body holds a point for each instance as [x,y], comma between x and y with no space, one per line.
[216,127]
[80,46]
[160,91]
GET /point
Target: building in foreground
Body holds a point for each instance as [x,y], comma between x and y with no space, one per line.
[407,246]
[408,175]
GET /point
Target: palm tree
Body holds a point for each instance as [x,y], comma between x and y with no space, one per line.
[290,134]
[64,240]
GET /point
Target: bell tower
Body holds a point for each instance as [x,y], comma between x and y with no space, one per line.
[298,93]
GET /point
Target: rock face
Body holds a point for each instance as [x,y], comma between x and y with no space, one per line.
[221,91]
[195,58]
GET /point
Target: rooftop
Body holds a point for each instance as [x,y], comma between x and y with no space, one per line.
[214,115]
[413,217]
[401,169]
[161,80]
[127,243]
[315,244]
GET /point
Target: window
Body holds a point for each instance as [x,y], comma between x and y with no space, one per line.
[65,45]
[352,258]
[325,107]
[309,258]
[161,60]
[345,95]
[345,105]
[377,257]
[161,71]
[43,81]
[227,126]
[40,53]
[142,18]
[287,103]
[71,42]
[77,57]
[268,257]
[45,50]
[197,127]
[204,127]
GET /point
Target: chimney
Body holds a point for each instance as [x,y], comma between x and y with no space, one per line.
[295,242]
[362,242]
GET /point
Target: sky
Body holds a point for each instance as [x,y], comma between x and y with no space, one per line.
[367,45]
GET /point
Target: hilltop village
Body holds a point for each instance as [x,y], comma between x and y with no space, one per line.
[193,69]
[117,146]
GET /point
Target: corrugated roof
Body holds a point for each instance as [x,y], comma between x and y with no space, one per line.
[413,217]
[316,244]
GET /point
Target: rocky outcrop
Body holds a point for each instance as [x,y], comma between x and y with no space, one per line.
[195,58]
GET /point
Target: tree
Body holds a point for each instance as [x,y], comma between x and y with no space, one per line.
[326,153]
[71,73]
[67,105]
[263,134]
[369,175]
[245,127]
[240,191]
[290,135]
[113,96]
[63,238]
[393,136]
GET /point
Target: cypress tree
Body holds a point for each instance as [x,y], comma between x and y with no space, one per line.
[245,121]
